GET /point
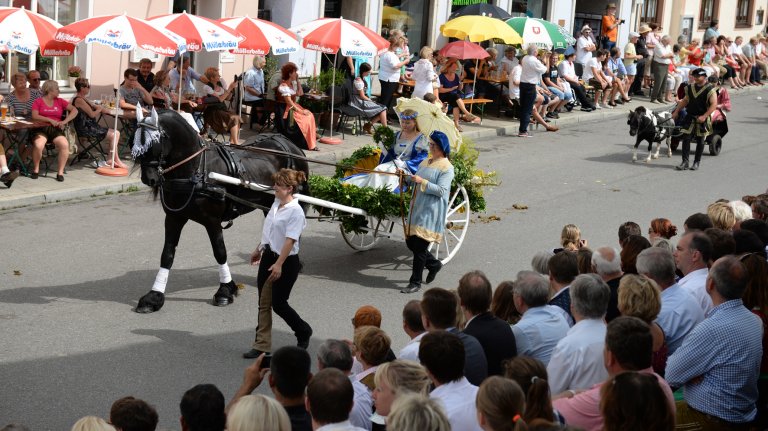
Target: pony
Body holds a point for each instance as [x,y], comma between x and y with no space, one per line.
[175,162]
[651,127]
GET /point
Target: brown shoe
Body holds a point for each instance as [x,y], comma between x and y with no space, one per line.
[8,177]
[368,128]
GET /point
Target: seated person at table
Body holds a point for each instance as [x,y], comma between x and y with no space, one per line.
[410,148]
[450,93]
[216,114]
[146,77]
[87,120]
[131,93]
[253,87]
[188,75]
[287,93]
[50,109]
[21,98]
[162,95]
[6,175]
[375,112]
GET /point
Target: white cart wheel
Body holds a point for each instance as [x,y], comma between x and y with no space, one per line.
[456,225]
[369,235]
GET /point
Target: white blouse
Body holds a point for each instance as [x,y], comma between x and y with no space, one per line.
[387,70]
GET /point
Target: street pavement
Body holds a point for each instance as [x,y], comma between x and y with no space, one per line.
[73,270]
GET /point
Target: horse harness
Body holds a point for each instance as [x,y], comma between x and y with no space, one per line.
[654,125]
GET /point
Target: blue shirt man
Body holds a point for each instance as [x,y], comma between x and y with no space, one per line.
[718,363]
[253,81]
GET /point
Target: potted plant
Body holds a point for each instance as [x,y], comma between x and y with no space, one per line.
[321,84]
[73,72]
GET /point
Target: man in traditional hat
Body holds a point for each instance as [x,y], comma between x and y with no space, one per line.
[609,29]
[700,100]
[640,49]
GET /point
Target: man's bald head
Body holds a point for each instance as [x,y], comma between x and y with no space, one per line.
[606,261]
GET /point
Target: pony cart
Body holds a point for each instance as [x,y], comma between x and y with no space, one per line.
[363,231]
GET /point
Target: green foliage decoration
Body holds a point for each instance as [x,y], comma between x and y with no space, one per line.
[325,79]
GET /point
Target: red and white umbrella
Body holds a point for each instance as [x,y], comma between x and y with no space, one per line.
[338,35]
[334,35]
[122,33]
[24,31]
[261,36]
[199,32]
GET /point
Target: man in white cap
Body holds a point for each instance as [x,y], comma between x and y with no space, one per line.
[631,57]
[584,48]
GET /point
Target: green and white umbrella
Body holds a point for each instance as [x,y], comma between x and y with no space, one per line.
[543,34]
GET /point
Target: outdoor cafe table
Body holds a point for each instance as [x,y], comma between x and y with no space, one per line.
[15,138]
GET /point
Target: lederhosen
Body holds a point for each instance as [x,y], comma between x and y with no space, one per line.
[698,104]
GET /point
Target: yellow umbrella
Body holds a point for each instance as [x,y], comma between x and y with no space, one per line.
[395,15]
[431,118]
[480,28]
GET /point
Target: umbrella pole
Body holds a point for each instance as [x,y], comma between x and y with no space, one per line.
[181,60]
[8,71]
[117,108]
[333,88]
[474,83]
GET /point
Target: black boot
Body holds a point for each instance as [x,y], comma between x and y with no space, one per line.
[226,294]
[695,166]
[682,166]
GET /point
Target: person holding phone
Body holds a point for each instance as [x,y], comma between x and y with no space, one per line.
[278,258]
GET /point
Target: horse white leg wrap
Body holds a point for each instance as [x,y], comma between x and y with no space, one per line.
[161,279]
[224,275]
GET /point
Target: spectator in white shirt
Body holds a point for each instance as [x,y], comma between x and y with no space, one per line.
[662,56]
[567,71]
[330,398]
[414,328]
[337,354]
[577,361]
[394,379]
[680,312]
[593,75]
[530,76]
[509,61]
[692,254]
[542,326]
[584,48]
[442,354]
[389,71]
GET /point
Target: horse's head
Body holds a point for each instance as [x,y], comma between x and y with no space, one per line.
[634,120]
[160,141]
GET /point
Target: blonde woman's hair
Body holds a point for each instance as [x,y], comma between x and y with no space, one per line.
[211,72]
[49,86]
[492,51]
[91,423]
[570,236]
[639,297]
[257,413]
[411,113]
[426,52]
[403,376]
[17,76]
[721,215]
[417,412]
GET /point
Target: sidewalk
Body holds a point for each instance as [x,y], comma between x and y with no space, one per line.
[81,181]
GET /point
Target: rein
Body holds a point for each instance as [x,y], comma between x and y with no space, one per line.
[162,171]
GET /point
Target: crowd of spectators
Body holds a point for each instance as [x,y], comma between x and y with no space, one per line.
[659,333]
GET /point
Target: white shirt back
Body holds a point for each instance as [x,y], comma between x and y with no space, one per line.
[577,361]
[532,70]
[458,400]
[695,283]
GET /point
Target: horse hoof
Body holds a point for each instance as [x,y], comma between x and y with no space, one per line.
[225,295]
[634,158]
[151,302]
[655,156]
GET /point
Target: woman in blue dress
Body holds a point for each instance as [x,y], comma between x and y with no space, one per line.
[429,204]
[408,151]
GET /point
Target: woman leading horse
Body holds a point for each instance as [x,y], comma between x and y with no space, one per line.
[176,162]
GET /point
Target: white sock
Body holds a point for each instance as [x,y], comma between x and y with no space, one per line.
[224,275]
[161,279]
[4,170]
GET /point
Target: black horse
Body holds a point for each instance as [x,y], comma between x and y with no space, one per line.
[652,127]
[175,163]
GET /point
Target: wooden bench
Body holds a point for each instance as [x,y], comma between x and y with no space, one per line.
[481,105]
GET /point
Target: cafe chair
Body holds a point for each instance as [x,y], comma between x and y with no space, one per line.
[91,149]
[347,112]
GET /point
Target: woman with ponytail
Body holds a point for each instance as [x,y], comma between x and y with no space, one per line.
[500,403]
[531,375]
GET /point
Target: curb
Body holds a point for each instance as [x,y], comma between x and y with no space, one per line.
[82,193]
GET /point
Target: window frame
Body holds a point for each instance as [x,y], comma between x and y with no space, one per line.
[659,12]
[750,14]
[703,20]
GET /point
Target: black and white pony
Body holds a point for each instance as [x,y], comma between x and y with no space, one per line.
[652,127]
[175,163]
